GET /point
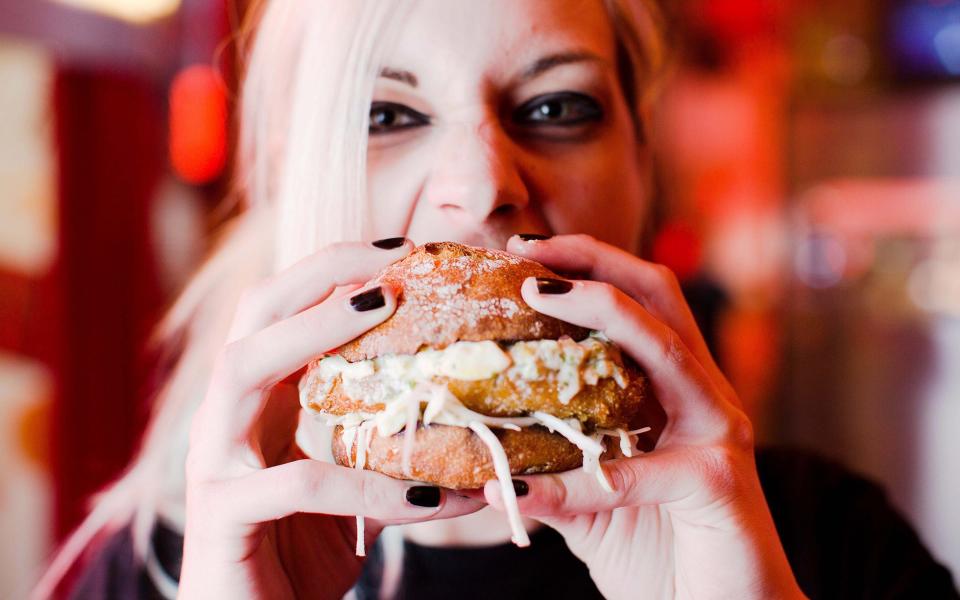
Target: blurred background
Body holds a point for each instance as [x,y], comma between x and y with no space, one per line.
[809,178]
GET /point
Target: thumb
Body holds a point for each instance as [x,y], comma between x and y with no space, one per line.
[664,476]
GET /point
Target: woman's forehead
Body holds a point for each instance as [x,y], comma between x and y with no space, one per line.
[440,38]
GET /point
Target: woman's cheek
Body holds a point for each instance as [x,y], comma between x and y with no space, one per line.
[603,200]
[394,179]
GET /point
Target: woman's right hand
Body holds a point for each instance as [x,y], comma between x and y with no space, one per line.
[259,529]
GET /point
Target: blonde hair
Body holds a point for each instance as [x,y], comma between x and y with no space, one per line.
[312,63]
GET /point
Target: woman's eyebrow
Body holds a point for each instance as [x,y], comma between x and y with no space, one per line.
[550,61]
[399,75]
[539,67]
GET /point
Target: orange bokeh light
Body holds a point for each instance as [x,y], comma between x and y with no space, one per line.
[198,124]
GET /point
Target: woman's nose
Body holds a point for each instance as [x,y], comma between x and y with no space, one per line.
[475,173]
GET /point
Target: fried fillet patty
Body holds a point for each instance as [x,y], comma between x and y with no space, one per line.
[603,405]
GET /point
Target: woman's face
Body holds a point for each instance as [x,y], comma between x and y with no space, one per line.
[504,116]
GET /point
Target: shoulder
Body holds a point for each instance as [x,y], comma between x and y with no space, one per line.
[842,535]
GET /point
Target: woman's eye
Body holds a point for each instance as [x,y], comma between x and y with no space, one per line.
[563,108]
[386,117]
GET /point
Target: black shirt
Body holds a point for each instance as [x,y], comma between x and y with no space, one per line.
[841,536]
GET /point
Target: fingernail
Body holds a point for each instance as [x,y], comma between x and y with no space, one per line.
[368,300]
[389,243]
[533,237]
[427,496]
[553,286]
[520,488]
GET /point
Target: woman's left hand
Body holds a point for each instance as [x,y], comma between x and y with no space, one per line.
[688,519]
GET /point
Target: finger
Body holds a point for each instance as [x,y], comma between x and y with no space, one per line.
[311,486]
[311,280]
[663,476]
[246,368]
[653,285]
[679,381]
[457,505]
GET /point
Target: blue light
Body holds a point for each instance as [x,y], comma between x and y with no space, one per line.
[926,38]
[947,43]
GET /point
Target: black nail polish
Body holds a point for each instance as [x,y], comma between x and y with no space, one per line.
[427,496]
[520,488]
[533,237]
[368,300]
[553,286]
[389,243]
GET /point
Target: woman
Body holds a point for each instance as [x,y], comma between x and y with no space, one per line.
[484,120]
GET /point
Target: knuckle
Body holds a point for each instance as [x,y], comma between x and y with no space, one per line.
[624,479]
[261,304]
[339,247]
[199,470]
[584,238]
[251,299]
[721,465]
[554,494]
[619,309]
[309,480]
[231,369]
[213,506]
[332,253]
[230,354]
[373,497]
[739,432]
[248,298]
[344,262]
[611,296]
[666,276]
[671,348]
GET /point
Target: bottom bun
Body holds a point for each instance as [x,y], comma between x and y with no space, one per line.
[456,458]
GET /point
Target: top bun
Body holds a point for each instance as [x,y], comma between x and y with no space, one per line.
[450,292]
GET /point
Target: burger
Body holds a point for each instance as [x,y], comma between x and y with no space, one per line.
[466,383]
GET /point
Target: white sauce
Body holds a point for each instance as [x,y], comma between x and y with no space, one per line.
[502,468]
[409,435]
[628,439]
[467,361]
[362,436]
[570,429]
[568,363]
